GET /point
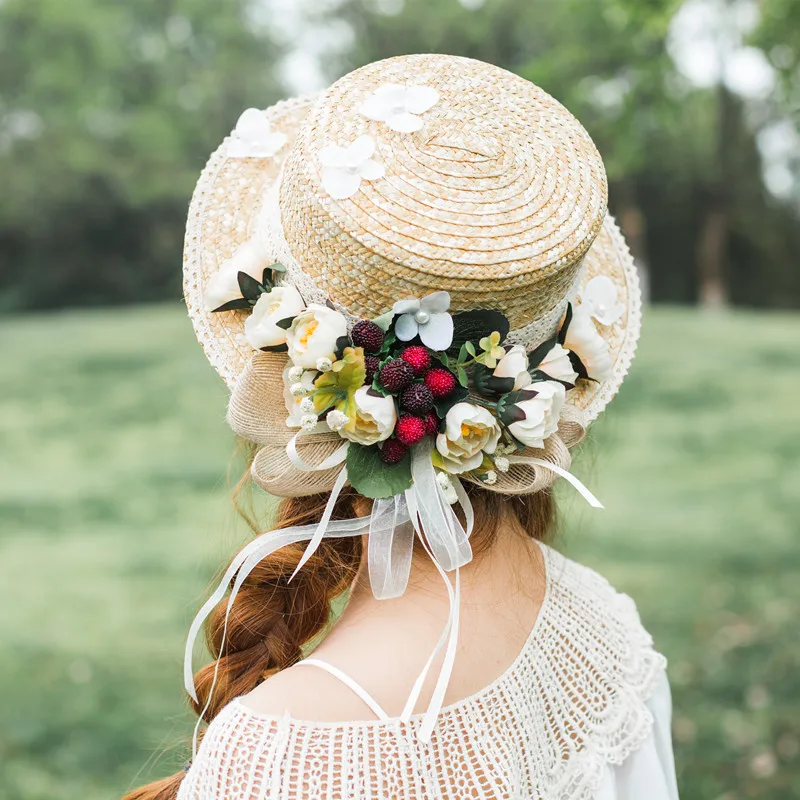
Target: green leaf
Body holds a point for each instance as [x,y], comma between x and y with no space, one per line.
[249,286]
[444,358]
[578,366]
[285,323]
[538,376]
[384,320]
[278,267]
[462,376]
[444,404]
[462,353]
[276,348]
[232,305]
[389,339]
[472,326]
[371,476]
[487,384]
[341,343]
[562,331]
[536,356]
[470,348]
[266,279]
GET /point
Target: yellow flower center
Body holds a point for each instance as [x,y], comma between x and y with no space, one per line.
[309,331]
[468,430]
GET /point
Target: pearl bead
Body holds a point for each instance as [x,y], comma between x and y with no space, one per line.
[422,317]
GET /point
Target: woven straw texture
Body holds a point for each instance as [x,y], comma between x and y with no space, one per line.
[495,200]
[499,198]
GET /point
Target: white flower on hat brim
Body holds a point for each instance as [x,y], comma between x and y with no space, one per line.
[253,137]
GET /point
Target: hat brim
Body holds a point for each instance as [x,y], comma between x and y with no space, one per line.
[223,214]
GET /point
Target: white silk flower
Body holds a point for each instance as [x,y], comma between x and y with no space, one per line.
[253,137]
[345,167]
[399,106]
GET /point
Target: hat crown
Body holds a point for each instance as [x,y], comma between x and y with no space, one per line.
[495,196]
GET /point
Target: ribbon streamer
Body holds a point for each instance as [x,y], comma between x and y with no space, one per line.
[568,476]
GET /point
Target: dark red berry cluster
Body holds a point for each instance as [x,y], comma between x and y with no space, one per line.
[418,385]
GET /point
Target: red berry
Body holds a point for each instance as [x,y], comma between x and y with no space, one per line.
[418,357]
[393,451]
[372,363]
[417,398]
[410,429]
[368,335]
[440,381]
[431,424]
[396,375]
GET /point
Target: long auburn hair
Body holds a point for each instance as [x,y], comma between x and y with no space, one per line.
[272,620]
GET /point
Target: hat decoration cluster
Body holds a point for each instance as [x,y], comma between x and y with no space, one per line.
[420,371]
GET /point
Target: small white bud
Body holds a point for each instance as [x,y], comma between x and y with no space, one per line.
[491,477]
[337,419]
[307,404]
[324,364]
[298,390]
[502,464]
[308,422]
[295,374]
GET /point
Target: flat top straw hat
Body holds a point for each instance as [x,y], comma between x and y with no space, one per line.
[441,179]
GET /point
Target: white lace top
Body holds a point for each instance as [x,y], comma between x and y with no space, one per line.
[581,714]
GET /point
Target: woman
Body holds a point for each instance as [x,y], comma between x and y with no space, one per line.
[413,289]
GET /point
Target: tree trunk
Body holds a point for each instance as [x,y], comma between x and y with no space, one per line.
[713,240]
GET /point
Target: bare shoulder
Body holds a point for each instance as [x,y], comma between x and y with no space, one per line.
[306,693]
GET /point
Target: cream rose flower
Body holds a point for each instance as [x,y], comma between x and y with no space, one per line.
[514,364]
[313,335]
[531,415]
[223,286]
[556,364]
[590,347]
[470,431]
[374,418]
[293,403]
[260,328]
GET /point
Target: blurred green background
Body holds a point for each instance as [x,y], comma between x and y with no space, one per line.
[114,453]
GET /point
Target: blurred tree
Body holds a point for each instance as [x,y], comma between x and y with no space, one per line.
[685,174]
[108,111]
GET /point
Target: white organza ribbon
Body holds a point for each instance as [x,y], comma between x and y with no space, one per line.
[334,459]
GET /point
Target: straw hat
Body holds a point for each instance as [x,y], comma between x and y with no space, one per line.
[409,176]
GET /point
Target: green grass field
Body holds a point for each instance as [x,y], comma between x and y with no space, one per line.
[114,516]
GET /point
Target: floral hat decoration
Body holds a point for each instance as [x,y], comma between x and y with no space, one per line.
[409,281]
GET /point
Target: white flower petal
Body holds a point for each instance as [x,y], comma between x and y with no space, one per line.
[252,124]
[406,328]
[437,332]
[404,122]
[359,151]
[339,183]
[375,108]
[420,98]
[253,138]
[406,306]
[599,297]
[371,170]
[435,302]
[332,156]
